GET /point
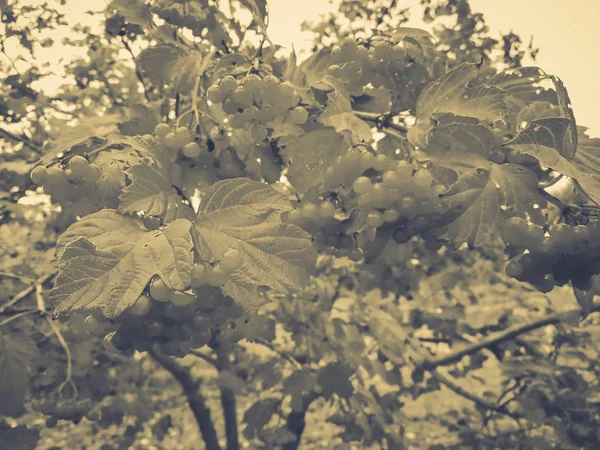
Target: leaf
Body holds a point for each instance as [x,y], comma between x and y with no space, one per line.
[16,351]
[311,155]
[303,380]
[459,143]
[134,11]
[312,70]
[176,66]
[334,378]
[19,437]
[259,11]
[106,260]
[244,214]
[451,94]
[389,335]
[78,139]
[142,120]
[339,115]
[259,415]
[585,300]
[489,199]
[587,162]
[548,141]
[151,189]
[114,164]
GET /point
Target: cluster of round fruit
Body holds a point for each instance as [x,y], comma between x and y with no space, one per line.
[179,139]
[563,254]
[68,184]
[380,63]
[252,102]
[400,195]
[172,322]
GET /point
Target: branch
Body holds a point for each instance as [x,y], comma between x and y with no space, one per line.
[274,350]
[26,142]
[497,338]
[138,74]
[296,421]
[482,403]
[228,402]
[25,292]
[206,358]
[196,400]
[16,316]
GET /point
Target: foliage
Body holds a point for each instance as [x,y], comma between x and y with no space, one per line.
[210,196]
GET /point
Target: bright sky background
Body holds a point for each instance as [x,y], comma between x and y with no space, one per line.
[567,33]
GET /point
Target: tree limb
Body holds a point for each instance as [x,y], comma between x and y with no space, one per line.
[196,400]
[228,402]
[497,338]
[206,358]
[296,421]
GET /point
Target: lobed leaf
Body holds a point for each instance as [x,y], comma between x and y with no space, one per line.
[244,214]
[106,260]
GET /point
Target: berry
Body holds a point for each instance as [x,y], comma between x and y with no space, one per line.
[191,150]
[161,130]
[38,174]
[231,260]
[362,185]
[159,291]
[298,115]
[141,307]
[215,94]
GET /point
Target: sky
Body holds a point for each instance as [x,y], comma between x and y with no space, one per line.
[567,34]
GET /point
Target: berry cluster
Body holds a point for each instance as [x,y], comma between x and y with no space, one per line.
[379,63]
[400,195]
[70,183]
[173,322]
[563,254]
[253,102]
[180,139]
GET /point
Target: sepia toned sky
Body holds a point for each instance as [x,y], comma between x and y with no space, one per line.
[567,33]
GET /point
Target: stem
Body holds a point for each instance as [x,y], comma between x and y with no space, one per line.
[196,400]
[296,422]
[25,292]
[228,402]
[137,71]
[206,358]
[14,137]
[64,345]
[482,403]
[16,316]
[377,118]
[274,350]
[497,338]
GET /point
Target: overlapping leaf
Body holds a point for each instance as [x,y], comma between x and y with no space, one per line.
[243,214]
[105,261]
[176,66]
[142,120]
[311,155]
[459,143]
[259,414]
[134,11]
[549,141]
[484,200]
[452,94]
[587,161]
[151,189]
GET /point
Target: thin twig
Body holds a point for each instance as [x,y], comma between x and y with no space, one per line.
[65,346]
[16,316]
[26,142]
[482,403]
[274,350]
[137,71]
[497,338]
[18,277]
[206,358]
[25,292]
[379,119]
